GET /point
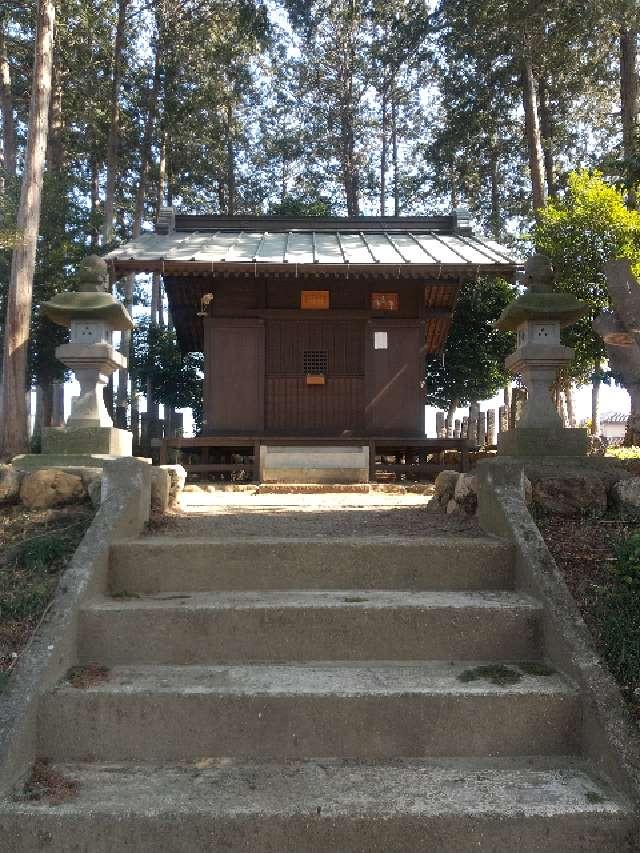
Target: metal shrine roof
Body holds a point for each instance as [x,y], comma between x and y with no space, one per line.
[183,242]
[614,418]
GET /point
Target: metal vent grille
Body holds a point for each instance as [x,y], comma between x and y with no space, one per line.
[315,361]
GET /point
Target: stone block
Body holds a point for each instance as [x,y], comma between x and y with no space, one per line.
[533,442]
[109,441]
[51,487]
[570,495]
[122,476]
[160,486]
[95,492]
[466,492]
[10,480]
[74,463]
[331,464]
[445,485]
[177,479]
[454,508]
[625,497]
[434,506]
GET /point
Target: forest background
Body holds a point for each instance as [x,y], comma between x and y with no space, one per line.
[306,107]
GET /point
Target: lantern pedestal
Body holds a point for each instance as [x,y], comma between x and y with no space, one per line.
[536,443]
[88,438]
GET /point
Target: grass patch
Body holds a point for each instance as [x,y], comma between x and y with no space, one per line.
[536,669]
[594,797]
[31,573]
[618,614]
[504,676]
[498,674]
[124,595]
[37,546]
[623,453]
[87,676]
[46,785]
[600,561]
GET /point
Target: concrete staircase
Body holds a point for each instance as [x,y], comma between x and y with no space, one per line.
[316,695]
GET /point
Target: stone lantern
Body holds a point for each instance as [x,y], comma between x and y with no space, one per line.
[92,315]
[537,318]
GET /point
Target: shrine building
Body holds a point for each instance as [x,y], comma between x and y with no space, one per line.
[314,330]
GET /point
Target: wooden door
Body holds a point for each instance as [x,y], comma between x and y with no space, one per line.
[395,364]
[336,348]
[234,376]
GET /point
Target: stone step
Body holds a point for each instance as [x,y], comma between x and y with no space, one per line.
[229,627]
[288,712]
[190,565]
[528,806]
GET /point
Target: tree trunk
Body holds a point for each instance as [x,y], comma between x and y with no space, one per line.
[13,430]
[629,105]
[383,150]
[570,402]
[595,400]
[6,112]
[546,137]
[394,151]
[122,397]
[46,413]
[532,129]
[350,175]
[632,431]
[162,173]
[145,152]
[94,234]
[451,413]
[231,163]
[153,407]
[169,172]
[55,139]
[496,218]
[114,126]
[453,185]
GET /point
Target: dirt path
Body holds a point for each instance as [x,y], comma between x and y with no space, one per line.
[249,515]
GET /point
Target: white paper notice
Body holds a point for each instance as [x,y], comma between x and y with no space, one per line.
[380,340]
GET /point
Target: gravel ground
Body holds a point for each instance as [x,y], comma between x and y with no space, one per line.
[307,516]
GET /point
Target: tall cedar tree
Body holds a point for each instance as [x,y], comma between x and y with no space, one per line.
[13,410]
